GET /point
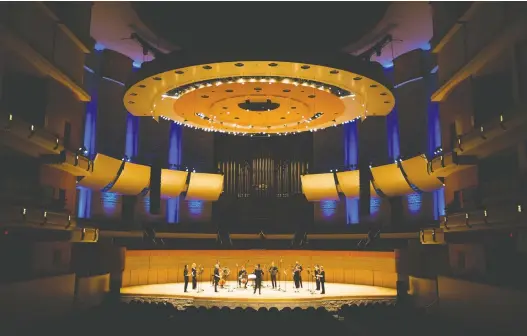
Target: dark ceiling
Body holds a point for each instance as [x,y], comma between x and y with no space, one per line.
[208,26]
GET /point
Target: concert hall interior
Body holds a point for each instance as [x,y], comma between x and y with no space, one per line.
[354,167]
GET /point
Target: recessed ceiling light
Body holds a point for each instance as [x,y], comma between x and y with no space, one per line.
[131,102]
[305,67]
[179,72]
[133,94]
[387,102]
[207,67]
[287,90]
[229,90]
[373,85]
[204,96]
[384,94]
[273,64]
[239,65]
[157,78]
[311,96]
[142,86]
[334,72]
[357,78]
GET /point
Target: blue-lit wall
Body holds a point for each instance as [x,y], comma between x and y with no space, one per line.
[132,131]
[174,162]
[392,126]
[351,160]
[434,142]
[90,126]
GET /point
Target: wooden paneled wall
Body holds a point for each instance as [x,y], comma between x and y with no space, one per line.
[144,267]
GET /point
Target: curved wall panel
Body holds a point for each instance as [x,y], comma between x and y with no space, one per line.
[173,183]
[319,187]
[204,187]
[105,170]
[417,173]
[133,179]
[390,180]
[349,182]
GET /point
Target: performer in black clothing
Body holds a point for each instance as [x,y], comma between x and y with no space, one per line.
[194,274]
[185,277]
[300,274]
[216,277]
[242,277]
[258,281]
[317,278]
[273,270]
[322,277]
[296,277]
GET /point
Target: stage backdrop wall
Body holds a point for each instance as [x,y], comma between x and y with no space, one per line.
[145,267]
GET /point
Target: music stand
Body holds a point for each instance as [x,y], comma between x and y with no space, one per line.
[280,276]
[309,281]
[237,277]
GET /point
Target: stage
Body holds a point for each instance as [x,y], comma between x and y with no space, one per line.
[336,295]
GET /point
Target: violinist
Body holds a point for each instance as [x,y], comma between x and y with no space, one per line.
[317,278]
[185,277]
[296,277]
[273,270]
[300,269]
[194,275]
[322,276]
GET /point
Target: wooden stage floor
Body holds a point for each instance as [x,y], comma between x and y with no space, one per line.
[336,295]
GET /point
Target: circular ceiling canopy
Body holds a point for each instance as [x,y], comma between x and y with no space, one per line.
[258,97]
[212,26]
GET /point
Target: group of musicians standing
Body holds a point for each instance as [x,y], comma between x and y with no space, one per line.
[319,276]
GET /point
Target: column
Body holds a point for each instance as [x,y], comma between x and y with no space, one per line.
[434,139]
[351,160]
[90,130]
[174,162]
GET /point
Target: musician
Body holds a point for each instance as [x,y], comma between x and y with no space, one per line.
[296,277]
[185,277]
[273,270]
[299,274]
[322,276]
[216,277]
[317,278]
[194,274]
[258,281]
[242,274]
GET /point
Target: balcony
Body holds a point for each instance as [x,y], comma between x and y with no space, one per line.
[495,136]
[512,33]
[38,142]
[449,163]
[23,137]
[49,46]
[20,222]
[72,163]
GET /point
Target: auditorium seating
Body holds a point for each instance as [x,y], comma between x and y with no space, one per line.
[141,317]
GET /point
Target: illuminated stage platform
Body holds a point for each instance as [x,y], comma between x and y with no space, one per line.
[232,297]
